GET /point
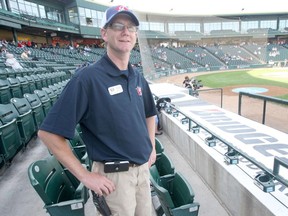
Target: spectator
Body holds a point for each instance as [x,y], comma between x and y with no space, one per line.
[25,54]
[115,108]
[12,62]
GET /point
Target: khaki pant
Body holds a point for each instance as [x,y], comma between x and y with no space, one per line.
[132,196]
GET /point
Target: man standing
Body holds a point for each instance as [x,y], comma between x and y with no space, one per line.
[114,106]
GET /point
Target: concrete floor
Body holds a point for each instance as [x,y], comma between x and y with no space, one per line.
[18,197]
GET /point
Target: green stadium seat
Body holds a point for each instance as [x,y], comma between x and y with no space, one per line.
[37,81]
[176,197]
[5,94]
[43,80]
[45,100]
[159,147]
[10,140]
[24,85]
[78,147]
[25,119]
[3,74]
[32,84]
[164,165]
[53,97]
[55,89]
[37,109]
[60,195]
[15,89]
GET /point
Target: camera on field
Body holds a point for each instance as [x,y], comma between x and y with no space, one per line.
[196,84]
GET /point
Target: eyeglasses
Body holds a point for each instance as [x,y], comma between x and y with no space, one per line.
[121,27]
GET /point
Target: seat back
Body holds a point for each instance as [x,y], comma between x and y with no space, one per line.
[45,100]
[181,193]
[60,195]
[25,120]
[37,109]
[164,165]
[51,94]
[24,85]
[15,87]
[176,198]
[158,147]
[10,140]
[5,94]
[32,84]
[49,180]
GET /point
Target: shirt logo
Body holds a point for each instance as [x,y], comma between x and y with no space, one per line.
[139,91]
[113,90]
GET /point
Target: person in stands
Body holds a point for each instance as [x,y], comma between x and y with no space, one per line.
[11,61]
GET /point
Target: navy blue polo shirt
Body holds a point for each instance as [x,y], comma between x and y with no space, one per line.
[111,107]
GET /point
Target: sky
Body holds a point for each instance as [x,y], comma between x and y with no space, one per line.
[201,7]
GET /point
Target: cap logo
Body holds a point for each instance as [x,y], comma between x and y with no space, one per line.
[122,8]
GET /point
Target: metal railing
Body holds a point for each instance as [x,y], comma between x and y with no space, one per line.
[264,181]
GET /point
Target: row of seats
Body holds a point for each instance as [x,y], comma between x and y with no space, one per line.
[61,192]
[173,191]
[21,118]
[18,86]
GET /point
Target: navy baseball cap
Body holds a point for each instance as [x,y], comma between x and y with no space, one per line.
[111,12]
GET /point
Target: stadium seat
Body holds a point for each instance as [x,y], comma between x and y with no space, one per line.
[50,92]
[45,100]
[159,147]
[10,140]
[164,165]
[25,119]
[78,147]
[37,109]
[15,89]
[24,85]
[176,197]
[5,94]
[32,84]
[37,80]
[60,195]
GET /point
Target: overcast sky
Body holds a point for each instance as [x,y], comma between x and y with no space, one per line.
[202,7]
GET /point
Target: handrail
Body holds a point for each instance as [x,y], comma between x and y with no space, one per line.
[271,174]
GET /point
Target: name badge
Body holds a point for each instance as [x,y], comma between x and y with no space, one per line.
[113,90]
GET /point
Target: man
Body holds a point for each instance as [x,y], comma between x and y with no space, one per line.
[115,109]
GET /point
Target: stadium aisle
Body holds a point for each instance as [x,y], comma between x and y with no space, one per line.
[209,205]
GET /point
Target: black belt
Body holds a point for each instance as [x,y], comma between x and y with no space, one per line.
[130,163]
[133,165]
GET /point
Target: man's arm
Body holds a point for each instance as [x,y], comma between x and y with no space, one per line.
[62,151]
[150,121]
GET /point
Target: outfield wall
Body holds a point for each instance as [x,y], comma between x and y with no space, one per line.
[233,184]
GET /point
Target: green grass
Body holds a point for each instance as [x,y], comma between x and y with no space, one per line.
[265,77]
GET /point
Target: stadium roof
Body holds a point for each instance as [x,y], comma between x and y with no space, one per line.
[201,7]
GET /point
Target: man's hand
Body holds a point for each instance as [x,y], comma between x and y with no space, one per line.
[98,183]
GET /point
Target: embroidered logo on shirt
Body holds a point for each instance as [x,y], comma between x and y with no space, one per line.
[139,90]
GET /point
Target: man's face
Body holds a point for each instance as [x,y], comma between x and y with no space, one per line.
[120,39]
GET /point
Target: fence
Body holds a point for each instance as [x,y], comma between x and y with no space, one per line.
[270,111]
